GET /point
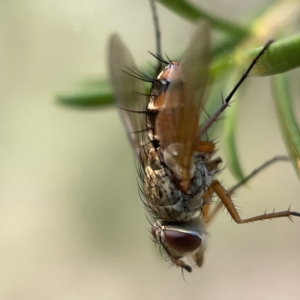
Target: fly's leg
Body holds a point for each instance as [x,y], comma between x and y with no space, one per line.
[204,127]
[198,256]
[207,147]
[204,146]
[213,165]
[209,215]
[226,201]
[176,260]
[180,263]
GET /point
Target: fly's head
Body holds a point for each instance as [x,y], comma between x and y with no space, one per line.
[179,240]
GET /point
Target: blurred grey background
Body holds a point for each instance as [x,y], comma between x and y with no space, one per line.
[72,225]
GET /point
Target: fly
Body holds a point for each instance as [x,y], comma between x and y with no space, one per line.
[176,166]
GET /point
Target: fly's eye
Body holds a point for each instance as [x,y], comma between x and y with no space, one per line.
[182,242]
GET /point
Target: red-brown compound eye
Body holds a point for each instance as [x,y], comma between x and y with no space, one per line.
[182,242]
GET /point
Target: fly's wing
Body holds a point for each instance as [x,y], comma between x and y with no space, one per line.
[178,119]
[194,66]
[129,94]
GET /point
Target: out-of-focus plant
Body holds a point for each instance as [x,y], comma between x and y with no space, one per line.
[232,53]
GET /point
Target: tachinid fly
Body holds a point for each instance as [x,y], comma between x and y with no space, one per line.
[176,169]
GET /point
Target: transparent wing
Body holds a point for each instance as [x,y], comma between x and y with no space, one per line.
[177,122]
[178,119]
[195,62]
[129,93]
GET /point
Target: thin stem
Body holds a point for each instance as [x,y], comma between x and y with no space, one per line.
[193,13]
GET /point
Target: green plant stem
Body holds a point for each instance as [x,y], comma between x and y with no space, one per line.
[193,13]
[287,120]
[283,55]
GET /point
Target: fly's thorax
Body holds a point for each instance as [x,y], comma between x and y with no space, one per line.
[202,178]
[163,196]
[181,239]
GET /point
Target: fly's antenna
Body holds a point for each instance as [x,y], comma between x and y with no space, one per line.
[225,103]
[157,34]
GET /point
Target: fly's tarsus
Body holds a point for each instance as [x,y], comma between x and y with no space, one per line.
[258,170]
